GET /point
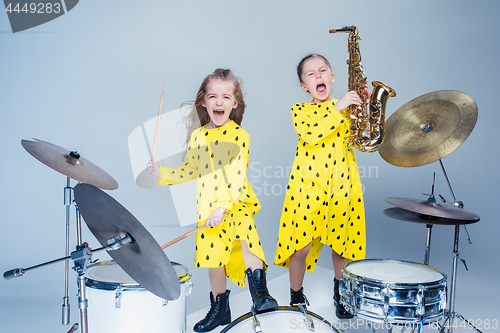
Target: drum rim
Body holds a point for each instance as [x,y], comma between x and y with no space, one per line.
[247,315]
[111,286]
[435,282]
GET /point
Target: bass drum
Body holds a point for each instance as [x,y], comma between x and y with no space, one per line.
[393,291]
[117,303]
[280,320]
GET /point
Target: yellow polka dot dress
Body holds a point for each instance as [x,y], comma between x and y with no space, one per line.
[218,160]
[324,199]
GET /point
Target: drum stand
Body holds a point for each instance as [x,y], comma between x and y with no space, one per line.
[451,314]
[81,258]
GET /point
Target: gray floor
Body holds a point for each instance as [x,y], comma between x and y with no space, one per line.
[43,313]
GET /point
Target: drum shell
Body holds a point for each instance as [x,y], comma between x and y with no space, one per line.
[393,302]
[280,320]
[125,306]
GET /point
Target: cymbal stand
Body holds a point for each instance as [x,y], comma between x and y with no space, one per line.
[451,314]
[67,203]
[428,234]
[81,258]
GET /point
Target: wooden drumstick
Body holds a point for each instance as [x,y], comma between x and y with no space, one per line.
[158,124]
[187,234]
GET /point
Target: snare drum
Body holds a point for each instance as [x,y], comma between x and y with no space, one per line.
[279,320]
[117,303]
[393,291]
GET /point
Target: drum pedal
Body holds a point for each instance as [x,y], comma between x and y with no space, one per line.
[307,318]
[256,322]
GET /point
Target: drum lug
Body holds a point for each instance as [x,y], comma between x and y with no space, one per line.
[442,299]
[420,302]
[164,302]
[118,297]
[189,286]
[386,291]
[256,322]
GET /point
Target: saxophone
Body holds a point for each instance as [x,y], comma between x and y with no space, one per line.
[367,131]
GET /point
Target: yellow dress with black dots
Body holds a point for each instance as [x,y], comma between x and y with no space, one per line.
[218,160]
[324,197]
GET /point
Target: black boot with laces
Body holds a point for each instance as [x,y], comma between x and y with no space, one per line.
[341,312]
[298,297]
[219,313]
[257,286]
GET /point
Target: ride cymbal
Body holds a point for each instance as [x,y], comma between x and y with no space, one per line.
[70,164]
[409,216]
[435,209]
[428,128]
[142,259]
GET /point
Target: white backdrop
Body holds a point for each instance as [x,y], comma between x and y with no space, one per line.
[86,80]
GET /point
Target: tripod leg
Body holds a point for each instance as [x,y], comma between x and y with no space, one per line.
[468,322]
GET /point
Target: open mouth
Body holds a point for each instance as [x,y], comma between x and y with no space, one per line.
[218,113]
[321,88]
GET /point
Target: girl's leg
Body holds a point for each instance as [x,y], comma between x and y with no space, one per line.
[251,260]
[339,263]
[257,284]
[297,268]
[217,277]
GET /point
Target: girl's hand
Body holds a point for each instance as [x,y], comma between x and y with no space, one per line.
[153,167]
[216,217]
[349,98]
[366,91]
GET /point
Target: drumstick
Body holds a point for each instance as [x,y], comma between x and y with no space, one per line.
[158,123]
[187,234]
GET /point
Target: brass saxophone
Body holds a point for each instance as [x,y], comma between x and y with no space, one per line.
[367,131]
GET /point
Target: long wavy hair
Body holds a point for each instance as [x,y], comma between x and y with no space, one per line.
[199,117]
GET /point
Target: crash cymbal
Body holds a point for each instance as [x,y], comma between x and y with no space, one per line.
[434,209]
[406,215]
[70,164]
[428,128]
[142,259]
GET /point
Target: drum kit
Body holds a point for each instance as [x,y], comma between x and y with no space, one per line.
[139,263]
[392,292]
[422,131]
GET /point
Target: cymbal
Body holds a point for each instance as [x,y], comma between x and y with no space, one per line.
[70,164]
[428,128]
[406,215]
[142,259]
[434,209]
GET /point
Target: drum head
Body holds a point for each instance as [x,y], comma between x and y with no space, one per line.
[109,275]
[280,320]
[394,271]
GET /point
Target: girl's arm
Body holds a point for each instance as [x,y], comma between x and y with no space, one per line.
[313,130]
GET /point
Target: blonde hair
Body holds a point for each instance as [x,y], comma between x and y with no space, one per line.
[199,116]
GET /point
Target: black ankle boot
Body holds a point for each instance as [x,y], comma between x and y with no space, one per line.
[298,297]
[219,313]
[341,312]
[257,286]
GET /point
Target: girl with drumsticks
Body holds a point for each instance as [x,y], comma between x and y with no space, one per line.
[217,157]
[324,200]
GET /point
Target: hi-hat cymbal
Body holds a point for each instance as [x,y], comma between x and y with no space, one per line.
[70,164]
[428,128]
[435,209]
[406,215]
[142,259]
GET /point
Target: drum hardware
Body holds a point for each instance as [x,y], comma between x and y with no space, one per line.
[73,328]
[72,165]
[307,318]
[81,259]
[447,215]
[255,321]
